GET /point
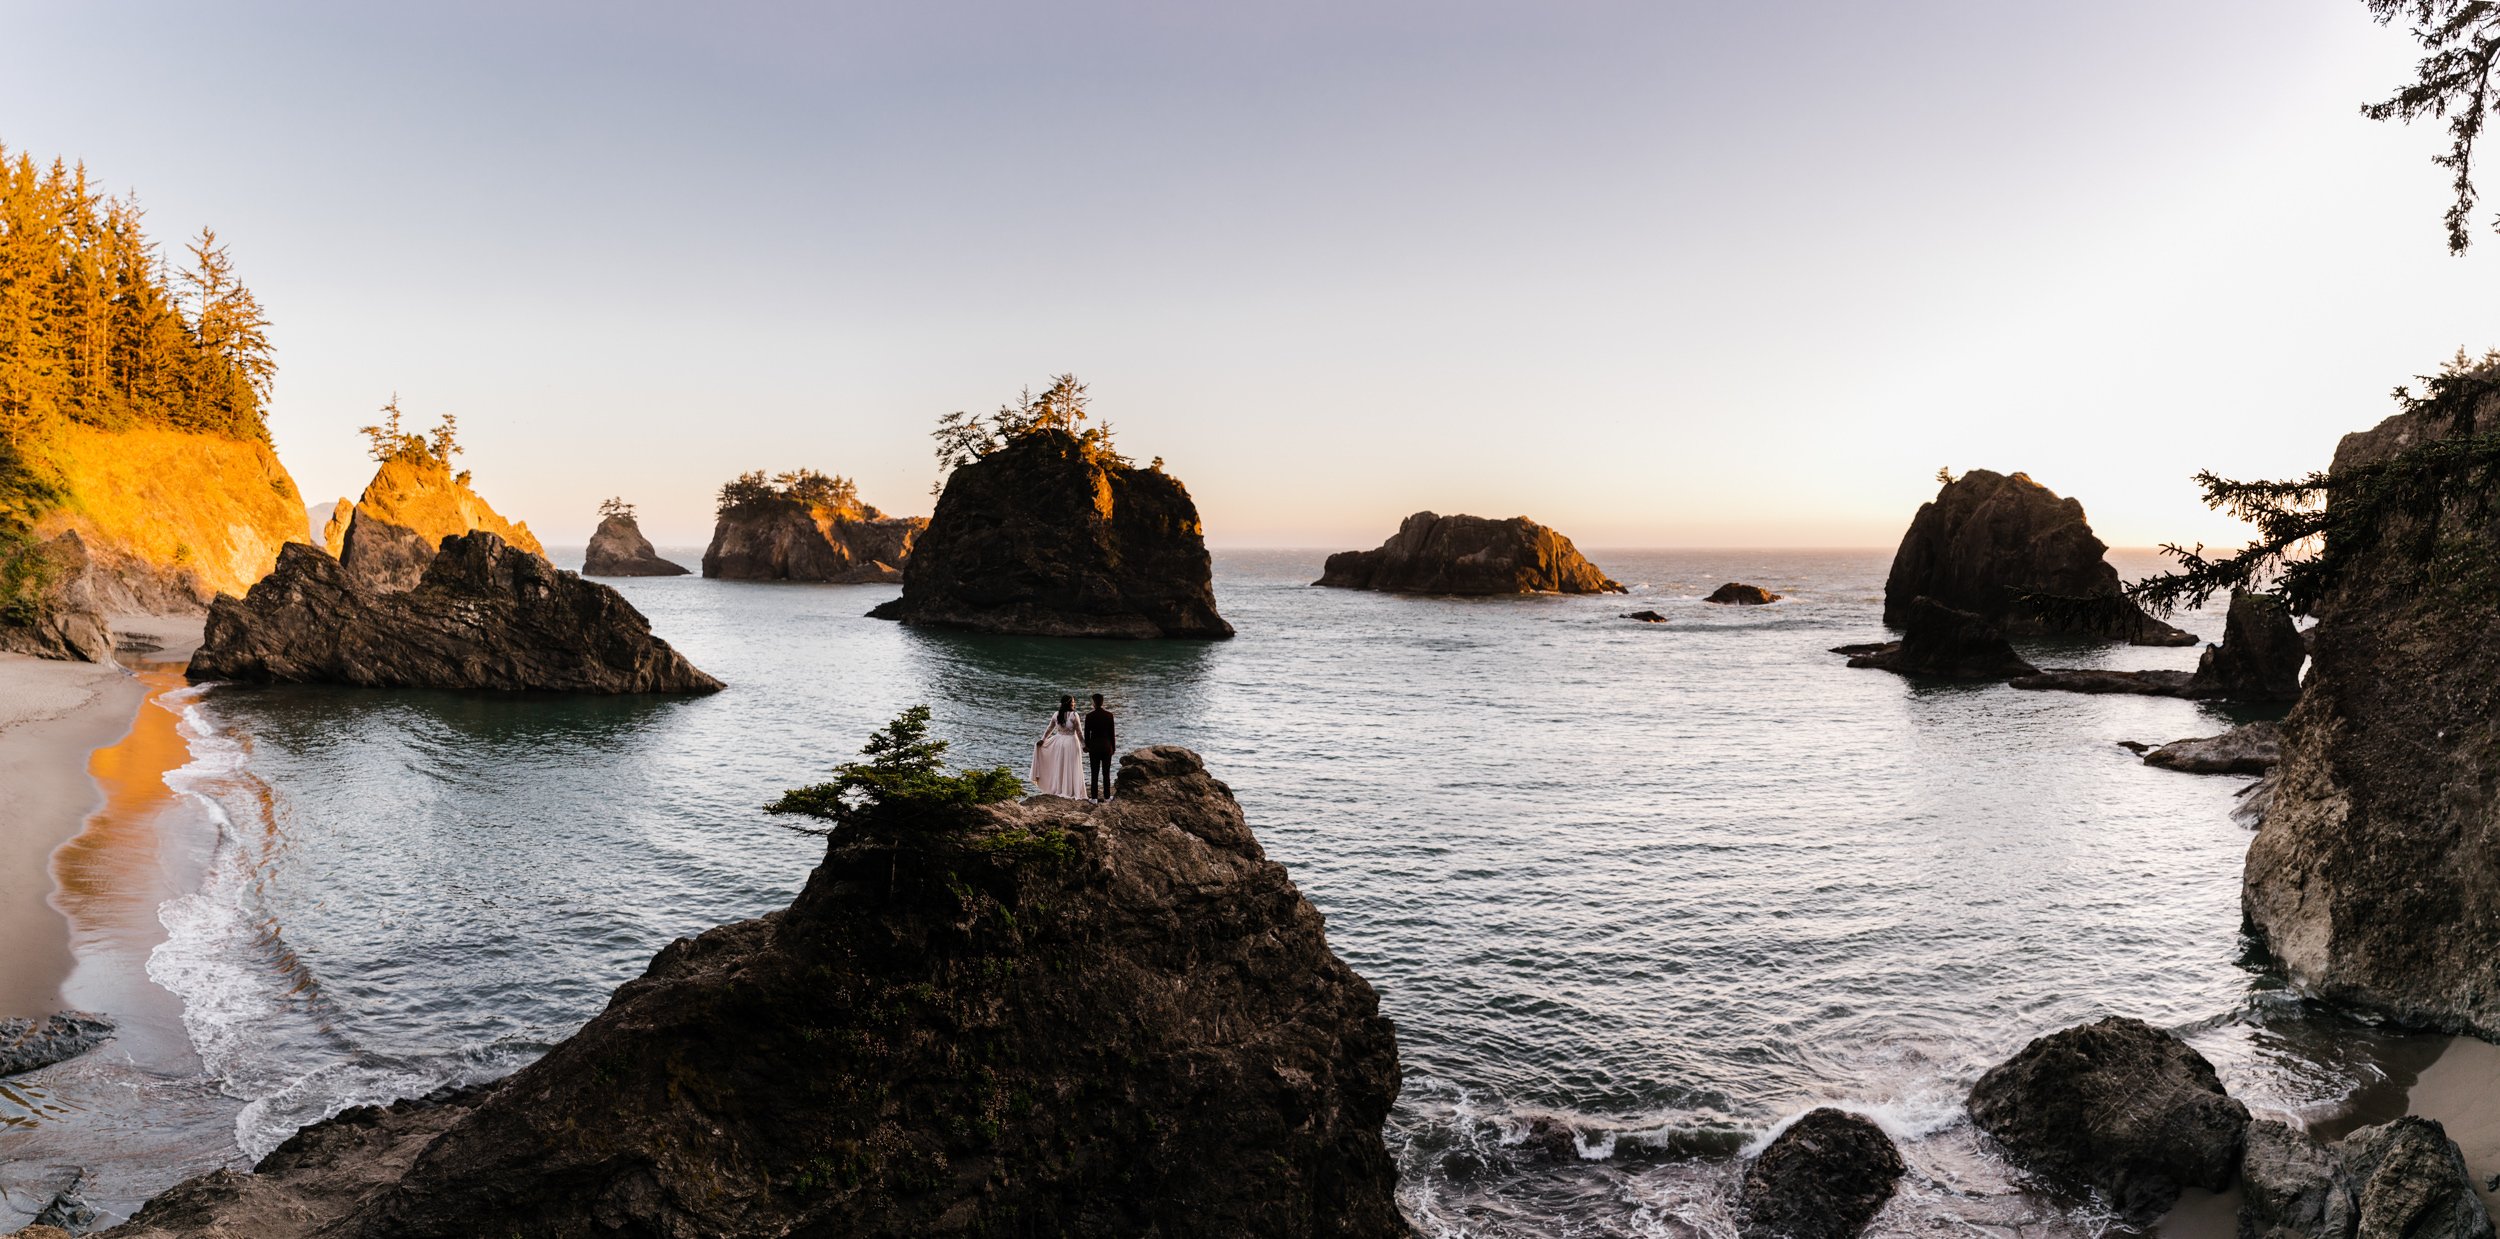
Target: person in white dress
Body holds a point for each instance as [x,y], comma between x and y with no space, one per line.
[1059,756]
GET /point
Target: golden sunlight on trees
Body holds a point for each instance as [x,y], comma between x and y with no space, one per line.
[1063,406]
[388,440]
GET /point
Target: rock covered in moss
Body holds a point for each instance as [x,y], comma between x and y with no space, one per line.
[1469,555]
[1050,538]
[618,548]
[485,615]
[1049,1019]
[1989,539]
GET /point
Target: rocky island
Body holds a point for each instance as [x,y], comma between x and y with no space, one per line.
[1044,1018]
[1047,531]
[618,548]
[806,526]
[1468,555]
[1989,541]
[414,501]
[484,615]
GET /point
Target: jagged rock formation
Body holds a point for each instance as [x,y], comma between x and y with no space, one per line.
[2371,878]
[2251,748]
[2260,655]
[330,524]
[782,538]
[171,518]
[1824,1178]
[1052,1019]
[1470,555]
[1988,539]
[1937,640]
[619,549]
[485,616]
[1738,594]
[1047,538]
[26,1044]
[2115,1105]
[2404,1178]
[414,502]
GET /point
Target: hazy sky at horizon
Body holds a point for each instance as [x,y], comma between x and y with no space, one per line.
[1656,274]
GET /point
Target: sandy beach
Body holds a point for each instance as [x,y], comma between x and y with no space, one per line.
[53,715]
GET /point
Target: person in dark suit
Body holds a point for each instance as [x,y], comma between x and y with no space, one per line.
[1100,743]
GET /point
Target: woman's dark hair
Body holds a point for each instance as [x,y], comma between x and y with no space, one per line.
[1067,706]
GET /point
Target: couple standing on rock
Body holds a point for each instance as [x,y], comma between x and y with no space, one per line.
[1055,755]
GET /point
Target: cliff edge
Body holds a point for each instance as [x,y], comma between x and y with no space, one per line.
[1048,538]
[1048,1018]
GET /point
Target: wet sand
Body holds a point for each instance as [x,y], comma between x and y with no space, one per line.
[52,715]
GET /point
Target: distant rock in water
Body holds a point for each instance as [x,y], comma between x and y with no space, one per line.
[781,538]
[1946,643]
[2116,1106]
[1046,538]
[1646,617]
[1825,1177]
[1050,1019]
[1740,595]
[2251,748]
[485,616]
[2371,879]
[619,549]
[26,1044]
[1468,555]
[2100,680]
[413,503]
[1989,539]
[2402,1178]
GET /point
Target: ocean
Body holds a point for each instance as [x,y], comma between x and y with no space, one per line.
[1635,894]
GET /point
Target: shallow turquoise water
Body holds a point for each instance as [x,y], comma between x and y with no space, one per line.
[1633,893]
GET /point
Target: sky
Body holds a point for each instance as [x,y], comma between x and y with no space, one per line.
[1656,274]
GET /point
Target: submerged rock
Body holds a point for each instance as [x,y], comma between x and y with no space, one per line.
[1646,617]
[619,549]
[26,1044]
[1940,641]
[1736,594]
[1048,538]
[1051,1019]
[485,616]
[783,538]
[1988,540]
[2115,1105]
[1468,555]
[2251,748]
[2096,680]
[1824,1178]
[2401,1180]
[2371,878]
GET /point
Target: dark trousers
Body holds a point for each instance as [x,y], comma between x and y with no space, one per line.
[1098,775]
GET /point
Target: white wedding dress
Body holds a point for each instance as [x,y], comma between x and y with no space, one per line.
[1059,762]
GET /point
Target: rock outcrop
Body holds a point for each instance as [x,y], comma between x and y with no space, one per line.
[783,538]
[619,549]
[2260,656]
[1738,594]
[2100,680]
[1051,1019]
[1469,555]
[2404,1178]
[1048,538]
[2371,879]
[1824,1178]
[485,616]
[2115,1105]
[1646,617]
[330,530]
[26,1044]
[414,502]
[2250,748]
[1940,641]
[1989,539]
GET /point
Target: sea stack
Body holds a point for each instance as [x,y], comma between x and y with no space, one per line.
[1050,536]
[1469,555]
[619,549]
[1050,1018]
[809,527]
[485,615]
[1988,539]
[413,503]
[2371,878]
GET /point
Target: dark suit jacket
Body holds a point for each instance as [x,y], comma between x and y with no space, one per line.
[1098,733]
